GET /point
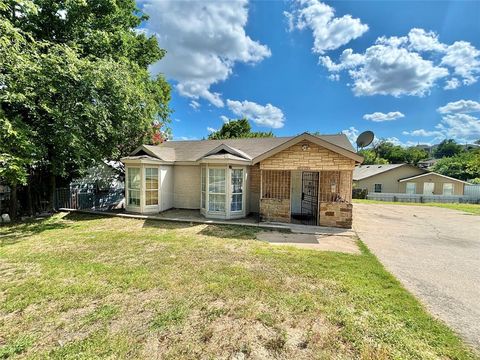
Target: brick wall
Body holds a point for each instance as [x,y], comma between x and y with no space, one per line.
[336,214]
[315,158]
[254,188]
[275,210]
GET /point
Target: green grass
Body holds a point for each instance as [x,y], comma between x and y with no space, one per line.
[83,287]
[469,208]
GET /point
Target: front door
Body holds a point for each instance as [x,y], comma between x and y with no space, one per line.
[309,205]
[428,188]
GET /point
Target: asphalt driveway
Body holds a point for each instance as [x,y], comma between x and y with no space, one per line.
[434,252]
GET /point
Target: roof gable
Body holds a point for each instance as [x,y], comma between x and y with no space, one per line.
[366,171]
[429,173]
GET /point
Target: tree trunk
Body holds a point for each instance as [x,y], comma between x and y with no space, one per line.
[53,185]
[29,199]
[13,202]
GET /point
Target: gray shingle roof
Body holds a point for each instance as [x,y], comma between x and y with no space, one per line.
[192,150]
[365,171]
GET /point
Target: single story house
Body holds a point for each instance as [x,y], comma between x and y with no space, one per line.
[405,179]
[305,178]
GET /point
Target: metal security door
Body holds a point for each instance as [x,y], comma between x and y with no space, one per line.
[309,207]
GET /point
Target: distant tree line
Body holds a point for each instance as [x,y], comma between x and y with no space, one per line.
[237,129]
[454,159]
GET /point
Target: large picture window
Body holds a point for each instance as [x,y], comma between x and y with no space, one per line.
[133,186]
[448,189]
[237,190]
[151,186]
[216,190]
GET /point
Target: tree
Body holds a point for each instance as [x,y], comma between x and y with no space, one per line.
[464,166]
[235,129]
[396,154]
[370,157]
[75,79]
[447,148]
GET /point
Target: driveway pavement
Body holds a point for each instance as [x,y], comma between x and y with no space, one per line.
[434,252]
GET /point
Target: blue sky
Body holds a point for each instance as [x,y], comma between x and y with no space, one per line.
[409,71]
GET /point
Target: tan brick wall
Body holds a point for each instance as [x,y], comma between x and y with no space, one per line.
[314,158]
[275,210]
[336,214]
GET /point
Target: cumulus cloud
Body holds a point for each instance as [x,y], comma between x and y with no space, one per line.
[379,116]
[329,32]
[460,106]
[351,133]
[459,126]
[204,40]
[408,65]
[224,118]
[267,116]
[210,129]
[464,58]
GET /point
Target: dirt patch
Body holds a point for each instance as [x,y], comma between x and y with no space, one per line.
[338,243]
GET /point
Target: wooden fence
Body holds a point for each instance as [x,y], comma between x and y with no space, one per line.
[89,200]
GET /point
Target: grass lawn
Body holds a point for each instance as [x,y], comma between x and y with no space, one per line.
[469,208]
[77,286]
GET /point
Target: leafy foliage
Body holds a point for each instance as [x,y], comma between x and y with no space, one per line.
[235,129]
[447,148]
[464,166]
[75,84]
[385,152]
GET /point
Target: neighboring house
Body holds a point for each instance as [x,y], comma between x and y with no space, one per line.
[427,164]
[306,178]
[405,179]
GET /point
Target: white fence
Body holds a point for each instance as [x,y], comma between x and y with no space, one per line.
[419,198]
[472,190]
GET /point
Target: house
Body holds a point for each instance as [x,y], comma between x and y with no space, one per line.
[405,179]
[305,178]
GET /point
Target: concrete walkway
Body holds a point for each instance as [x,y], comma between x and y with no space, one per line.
[434,252]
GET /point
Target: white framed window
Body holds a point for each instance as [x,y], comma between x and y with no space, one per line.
[204,187]
[133,186]
[216,190]
[447,189]
[151,186]
[236,203]
[411,188]
[378,188]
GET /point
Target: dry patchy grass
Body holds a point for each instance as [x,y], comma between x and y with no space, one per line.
[78,286]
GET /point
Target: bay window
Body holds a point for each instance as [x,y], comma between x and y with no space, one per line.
[216,190]
[237,190]
[151,186]
[133,186]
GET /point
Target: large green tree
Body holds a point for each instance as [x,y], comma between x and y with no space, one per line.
[385,152]
[447,148]
[240,128]
[75,82]
[463,166]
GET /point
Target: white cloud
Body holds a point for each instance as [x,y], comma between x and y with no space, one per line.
[352,134]
[388,70]
[398,66]
[267,116]
[423,133]
[460,106]
[210,129]
[185,138]
[329,32]
[224,118]
[421,40]
[464,59]
[452,84]
[461,127]
[195,105]
[379,116]
[334,77]
[204,40]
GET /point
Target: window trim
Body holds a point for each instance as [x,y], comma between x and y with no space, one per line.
[414,188]
[452,188]
[232,193]
[146,190]
[129,188]
[375,188]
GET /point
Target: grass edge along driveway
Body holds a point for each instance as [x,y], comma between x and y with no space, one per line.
[468,208]
[78,286]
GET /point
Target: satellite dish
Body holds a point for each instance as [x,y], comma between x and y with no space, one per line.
[365,139]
